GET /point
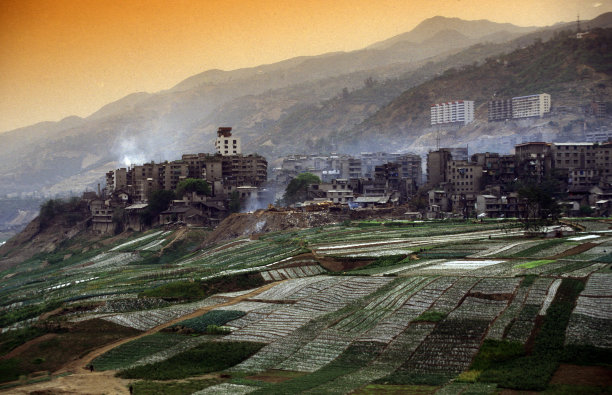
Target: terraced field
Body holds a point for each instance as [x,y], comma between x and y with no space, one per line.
[346,308]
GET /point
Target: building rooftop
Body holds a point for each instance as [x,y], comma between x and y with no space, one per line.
[581,143]
[137,206]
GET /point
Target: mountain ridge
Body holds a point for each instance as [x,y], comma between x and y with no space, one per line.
[67,156]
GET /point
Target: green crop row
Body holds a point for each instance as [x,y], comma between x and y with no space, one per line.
[215,317]
[205,358]
[532,264]
[502,363]
[128,353]
[537,248]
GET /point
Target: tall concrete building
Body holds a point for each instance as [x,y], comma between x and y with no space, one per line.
[500,110]
[225,144]
[436,166]
[530,106]
[459,111]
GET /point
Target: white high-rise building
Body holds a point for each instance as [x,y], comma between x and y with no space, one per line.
[226,144]
[530,106]
[459,111]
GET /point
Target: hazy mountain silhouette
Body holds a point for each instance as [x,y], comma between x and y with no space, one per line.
[75,152]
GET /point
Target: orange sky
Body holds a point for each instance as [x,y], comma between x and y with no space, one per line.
[70,57]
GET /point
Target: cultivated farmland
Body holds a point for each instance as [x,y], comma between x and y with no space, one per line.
[441,306]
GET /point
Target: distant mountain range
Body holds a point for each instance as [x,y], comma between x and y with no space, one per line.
[298,105]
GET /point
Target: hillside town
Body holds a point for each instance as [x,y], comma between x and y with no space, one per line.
[454,183]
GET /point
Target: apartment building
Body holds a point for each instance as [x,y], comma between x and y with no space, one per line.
[530,106]
[533,159]
[244,170]
[465,177]
[437,162]
[499,110]
[459,111]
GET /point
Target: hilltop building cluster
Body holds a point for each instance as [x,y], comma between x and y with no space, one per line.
[456,183]
[459,185]
[519,107]
[480,186]
[228,173]
[363,180]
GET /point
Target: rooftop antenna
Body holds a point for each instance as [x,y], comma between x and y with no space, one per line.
[438,140]
[578,23]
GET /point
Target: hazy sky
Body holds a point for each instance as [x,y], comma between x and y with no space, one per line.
[70,57]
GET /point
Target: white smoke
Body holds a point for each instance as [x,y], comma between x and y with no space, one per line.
[130,152]
[258,202]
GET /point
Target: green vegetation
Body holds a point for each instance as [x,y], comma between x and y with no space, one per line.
[199,289]
[532,372]
[587,355]
[389,260]
[215,318]
[217,330]
[431,316]
[532,264]
[541,201]
[12,339]
[605,259]
[183,387]
[128,353]
[538,247]
[205,358]
[9,370]
[234,204]
[178,250]
[386,389]
[159,201]
[528,280]
[189,185]
[297,188]
[493,352]
[175,273]
[442,254]
[70,211]
[470,376]
[356,356]
[52,352]
[9,317]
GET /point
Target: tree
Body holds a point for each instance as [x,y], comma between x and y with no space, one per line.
[297,189]
[158,201]
[234,203]
[47,212]
[196,185]
[542,204]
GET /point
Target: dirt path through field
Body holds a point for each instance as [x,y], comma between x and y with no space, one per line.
[82,381]
[78,383]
